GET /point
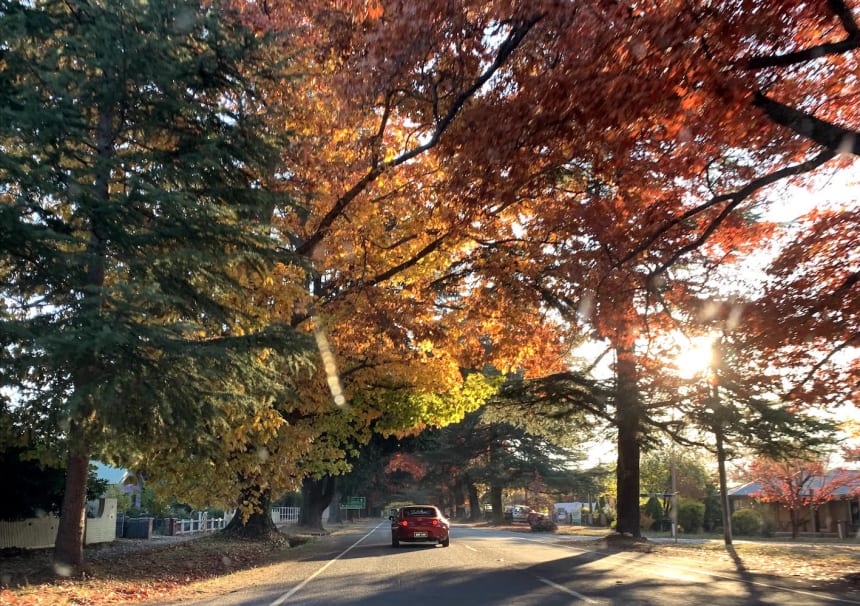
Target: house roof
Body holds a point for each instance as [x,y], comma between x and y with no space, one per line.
[850,487]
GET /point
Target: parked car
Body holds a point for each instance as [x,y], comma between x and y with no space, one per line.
[517,513]
[419,524]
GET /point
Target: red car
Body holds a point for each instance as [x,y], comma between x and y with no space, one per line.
[419,524]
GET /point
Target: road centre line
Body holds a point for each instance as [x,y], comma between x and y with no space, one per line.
[281,600]
[297,588]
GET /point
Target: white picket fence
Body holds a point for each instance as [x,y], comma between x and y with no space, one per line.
[285,515]
[40,533]
[280,515]
[202,523]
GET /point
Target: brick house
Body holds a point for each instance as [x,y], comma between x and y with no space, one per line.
[843,507]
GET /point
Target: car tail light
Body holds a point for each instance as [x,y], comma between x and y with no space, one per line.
[404,523]
[435,522]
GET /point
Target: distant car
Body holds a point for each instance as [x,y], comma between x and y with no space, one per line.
[535,516]
[419,524]
[517,513]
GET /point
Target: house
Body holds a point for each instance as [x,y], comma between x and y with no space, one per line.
[841,506]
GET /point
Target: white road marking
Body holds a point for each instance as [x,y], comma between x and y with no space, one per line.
[297,588]
[564,589]
[470,548]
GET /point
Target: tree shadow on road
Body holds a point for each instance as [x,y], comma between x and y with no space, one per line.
[744,573]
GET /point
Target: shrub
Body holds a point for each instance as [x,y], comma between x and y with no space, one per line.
[690,515]
[713,520]
[123,499]
[37,488]
[746,522]
[645,521]
[542,523]
[653,510]
[768,527]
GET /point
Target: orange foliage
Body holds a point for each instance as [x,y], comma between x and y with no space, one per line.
[412,186]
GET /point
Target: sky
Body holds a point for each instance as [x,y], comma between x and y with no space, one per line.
[106,472]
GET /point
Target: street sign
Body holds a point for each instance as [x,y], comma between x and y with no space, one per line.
[353,503]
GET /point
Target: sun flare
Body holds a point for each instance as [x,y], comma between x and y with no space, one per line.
[694,356]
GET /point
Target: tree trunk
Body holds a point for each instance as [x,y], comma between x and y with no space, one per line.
[69,545]
[316,496]
[259,526]
[496,502]
[628,421]
[458,498]
[474,503]
[334,513]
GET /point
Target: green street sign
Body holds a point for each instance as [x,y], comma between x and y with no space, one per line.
[353,503]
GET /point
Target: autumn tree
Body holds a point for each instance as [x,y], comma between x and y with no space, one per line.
[800,485]
[608,237]
[374,253]
[636,137]
[808,318]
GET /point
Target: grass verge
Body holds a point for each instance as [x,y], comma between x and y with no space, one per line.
[208,564]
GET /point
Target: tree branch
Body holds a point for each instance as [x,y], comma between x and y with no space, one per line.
[732,200]
[813,372]
[831,136]
[802,56]
[851,42]
[393,271]
[505,50]
[841,10]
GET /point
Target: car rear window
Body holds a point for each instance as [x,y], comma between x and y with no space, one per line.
[416,512]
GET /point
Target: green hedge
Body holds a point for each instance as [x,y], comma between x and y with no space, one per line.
[746,522]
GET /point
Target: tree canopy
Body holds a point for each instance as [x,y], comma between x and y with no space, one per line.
[132,215]
[198,199]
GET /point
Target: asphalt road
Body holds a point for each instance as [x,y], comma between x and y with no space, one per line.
[483,567]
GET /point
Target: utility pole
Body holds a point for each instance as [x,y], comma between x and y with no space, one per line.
[673,473]
[724,493]
[721,450]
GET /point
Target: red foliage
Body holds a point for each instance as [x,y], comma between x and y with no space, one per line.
[800,485]
[407,463]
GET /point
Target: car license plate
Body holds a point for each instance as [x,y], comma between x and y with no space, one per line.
[419,535]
